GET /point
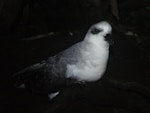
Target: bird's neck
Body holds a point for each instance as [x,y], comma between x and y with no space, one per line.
[96,42]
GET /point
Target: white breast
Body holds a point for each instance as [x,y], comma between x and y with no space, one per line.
[92,63]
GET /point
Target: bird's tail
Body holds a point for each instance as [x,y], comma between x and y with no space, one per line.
[20,77]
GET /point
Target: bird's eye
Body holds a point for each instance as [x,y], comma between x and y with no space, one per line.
[96,31]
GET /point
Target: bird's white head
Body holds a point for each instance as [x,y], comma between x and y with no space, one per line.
[100,30]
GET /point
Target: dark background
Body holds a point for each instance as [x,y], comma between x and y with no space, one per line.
[32,30]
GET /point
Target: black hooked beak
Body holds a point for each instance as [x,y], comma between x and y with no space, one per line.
[109,39]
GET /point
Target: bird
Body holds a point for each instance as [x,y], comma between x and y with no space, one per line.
[85,61]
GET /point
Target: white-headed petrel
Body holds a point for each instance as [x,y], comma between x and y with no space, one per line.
[85,61]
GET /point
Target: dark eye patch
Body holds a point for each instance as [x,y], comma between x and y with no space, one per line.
[96,31]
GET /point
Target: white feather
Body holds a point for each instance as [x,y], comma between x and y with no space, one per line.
[94,55]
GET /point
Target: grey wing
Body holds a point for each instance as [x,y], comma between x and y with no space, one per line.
[38,78]
[49,75]
[70,55]
[23,75]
